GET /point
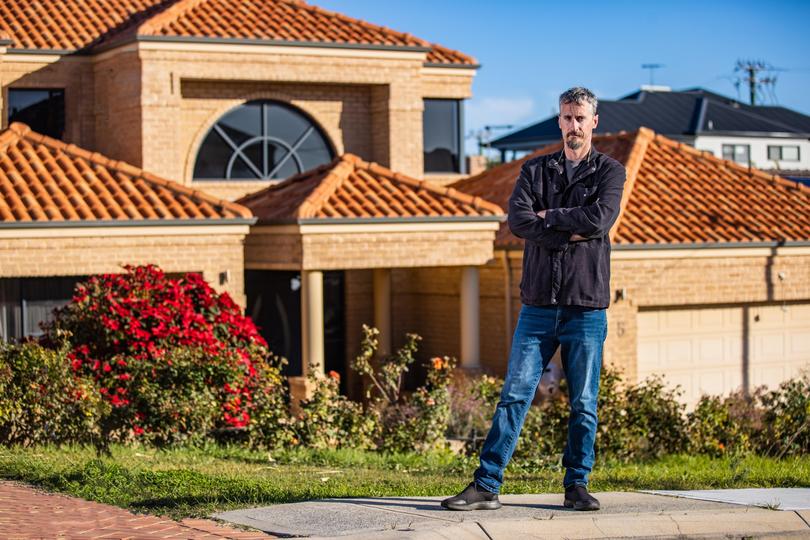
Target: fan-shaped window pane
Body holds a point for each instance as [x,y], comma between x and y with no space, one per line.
[261,140]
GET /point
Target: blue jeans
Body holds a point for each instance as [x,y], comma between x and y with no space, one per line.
[580,332]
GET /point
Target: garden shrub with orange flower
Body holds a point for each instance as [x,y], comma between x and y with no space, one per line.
[173,359]
[415,421]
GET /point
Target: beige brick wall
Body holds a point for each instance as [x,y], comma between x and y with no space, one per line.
[396,249]
[64,256]
[273,251]
[117,110]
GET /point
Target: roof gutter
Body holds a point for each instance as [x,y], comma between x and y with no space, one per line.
[249,41]
[366,221]
[711,245]
[120,223]
[451,66]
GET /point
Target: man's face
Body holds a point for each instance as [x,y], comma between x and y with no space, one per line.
[577,123]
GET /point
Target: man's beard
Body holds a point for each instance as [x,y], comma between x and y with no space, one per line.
[574,142]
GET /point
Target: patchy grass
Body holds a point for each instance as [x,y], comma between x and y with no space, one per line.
[186,482]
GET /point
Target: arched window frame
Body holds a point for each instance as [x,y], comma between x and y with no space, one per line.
[264,171]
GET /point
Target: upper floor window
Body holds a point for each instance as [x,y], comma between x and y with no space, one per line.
[261,140]
[42,109]
[442,126]
[741,153]
[783,153]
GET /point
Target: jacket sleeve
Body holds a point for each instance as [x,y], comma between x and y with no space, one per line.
[523,219]
[596,219]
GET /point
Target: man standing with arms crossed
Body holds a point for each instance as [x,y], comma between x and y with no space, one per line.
[563,206]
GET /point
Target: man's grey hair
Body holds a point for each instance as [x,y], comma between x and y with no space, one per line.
[579,95]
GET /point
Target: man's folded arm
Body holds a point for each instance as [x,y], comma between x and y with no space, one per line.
[593,220]
[523,219]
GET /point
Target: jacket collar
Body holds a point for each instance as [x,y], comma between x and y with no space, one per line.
[557,161]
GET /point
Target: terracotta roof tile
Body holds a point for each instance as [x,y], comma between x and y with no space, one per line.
[43,179]
[676,194]
[349,187]
[79,24]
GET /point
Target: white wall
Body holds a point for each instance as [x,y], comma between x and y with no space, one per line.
[759,149]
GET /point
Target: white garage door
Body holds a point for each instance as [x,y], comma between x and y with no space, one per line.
[702,349]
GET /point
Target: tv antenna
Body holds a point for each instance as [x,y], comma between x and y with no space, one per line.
[652,68]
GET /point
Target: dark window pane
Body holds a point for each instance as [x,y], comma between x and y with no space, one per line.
[242,123]
[250,155]
[42,110]
[441,135]
[281,161]
[314,151]
[212,159]
[284,124]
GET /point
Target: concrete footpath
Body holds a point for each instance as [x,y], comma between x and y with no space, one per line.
[623,515]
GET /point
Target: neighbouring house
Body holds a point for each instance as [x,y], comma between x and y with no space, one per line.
[763,136]
[710,269]
[66,213]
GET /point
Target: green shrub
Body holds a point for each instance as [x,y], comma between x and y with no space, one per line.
[40,399]
[786,419]
[330,420]
[406,422]
[639,421]
[725,425]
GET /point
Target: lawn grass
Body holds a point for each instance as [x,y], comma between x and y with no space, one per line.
[195,482]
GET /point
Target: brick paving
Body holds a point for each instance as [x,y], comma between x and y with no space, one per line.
[27,513]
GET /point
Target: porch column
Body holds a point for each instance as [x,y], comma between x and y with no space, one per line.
[312,350]
[382,309]
[470,326]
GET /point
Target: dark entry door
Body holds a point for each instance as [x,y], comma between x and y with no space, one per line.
[274,304]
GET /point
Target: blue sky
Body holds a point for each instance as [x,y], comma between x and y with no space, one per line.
[532,50]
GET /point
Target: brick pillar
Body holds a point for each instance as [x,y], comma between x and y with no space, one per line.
[382,309]
[396,125]
[312,346]
[161,121]
[470,314]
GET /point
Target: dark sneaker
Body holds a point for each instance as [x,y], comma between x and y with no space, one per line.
[473,498]
[578,498]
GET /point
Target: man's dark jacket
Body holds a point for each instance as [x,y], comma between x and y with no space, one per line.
[557,271]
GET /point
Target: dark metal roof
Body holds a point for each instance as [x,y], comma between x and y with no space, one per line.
[674,114]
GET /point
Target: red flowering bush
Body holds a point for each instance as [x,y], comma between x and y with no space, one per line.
[173,358]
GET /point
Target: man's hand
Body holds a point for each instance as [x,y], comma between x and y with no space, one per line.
[574,237]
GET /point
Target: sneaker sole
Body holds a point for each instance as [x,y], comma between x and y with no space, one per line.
[483,505]
[579,506]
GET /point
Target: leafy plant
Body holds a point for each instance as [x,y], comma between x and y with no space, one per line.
[40,399]
[416,421]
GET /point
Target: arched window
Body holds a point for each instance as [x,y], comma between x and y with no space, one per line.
[261,140]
